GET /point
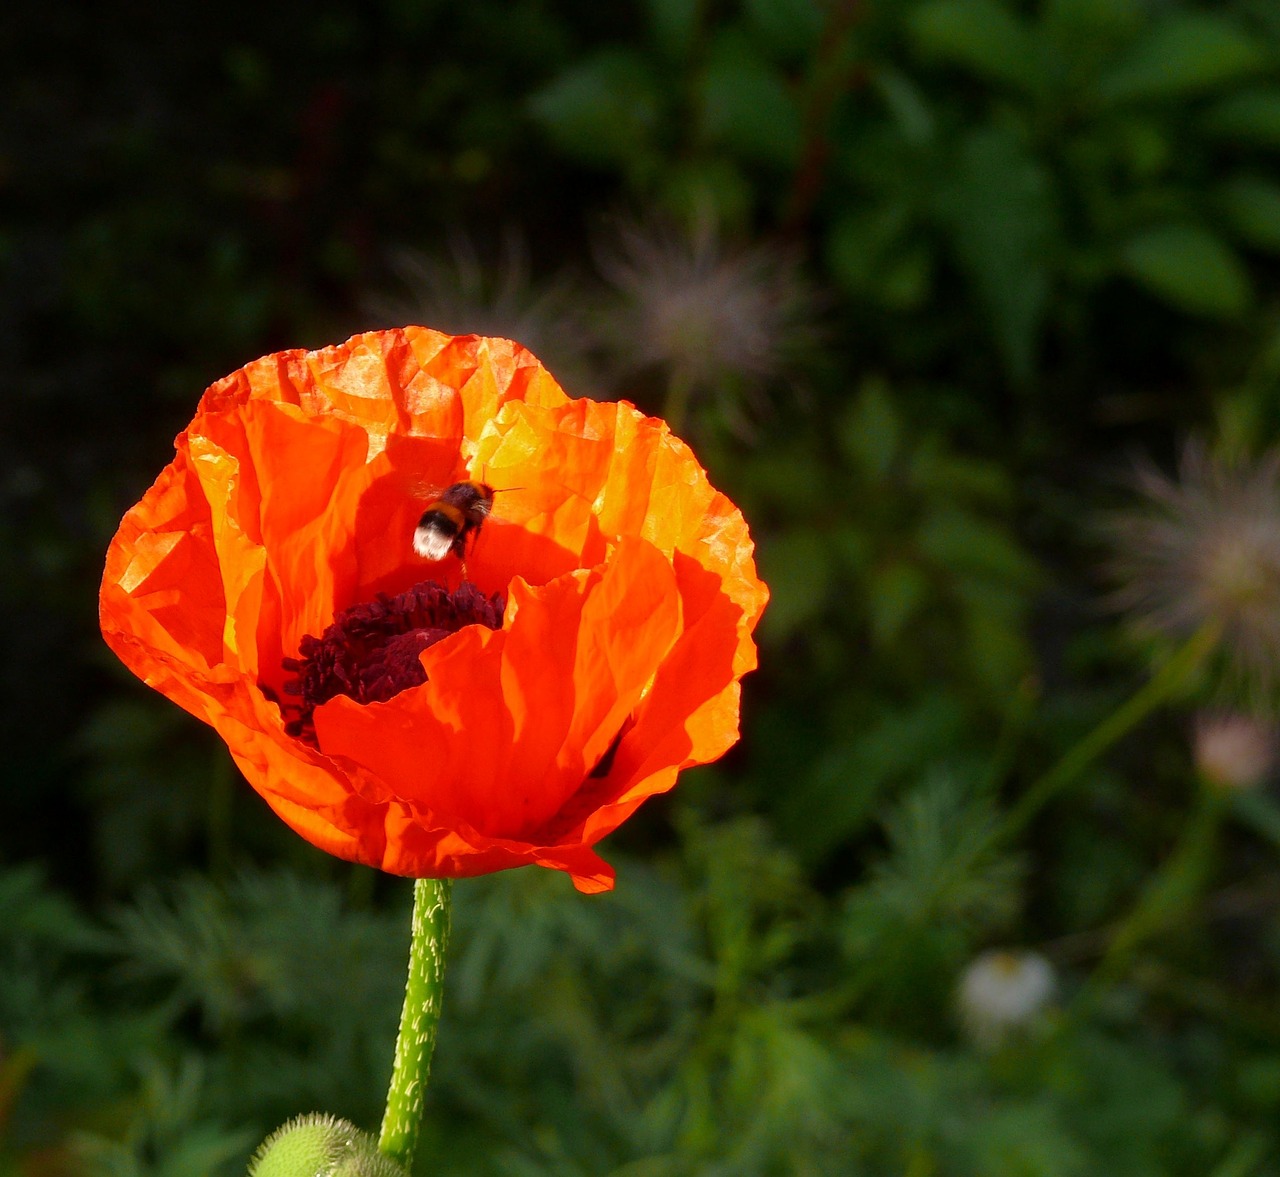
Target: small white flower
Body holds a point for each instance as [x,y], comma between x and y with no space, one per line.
[1003,991]
[1234,751]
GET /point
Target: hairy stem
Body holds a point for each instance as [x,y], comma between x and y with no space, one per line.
[418,1020]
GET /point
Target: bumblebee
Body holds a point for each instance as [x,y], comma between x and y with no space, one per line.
[456,513]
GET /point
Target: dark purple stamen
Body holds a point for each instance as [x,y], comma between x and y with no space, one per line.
[370,652]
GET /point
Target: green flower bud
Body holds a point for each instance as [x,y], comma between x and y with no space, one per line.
[321,1145]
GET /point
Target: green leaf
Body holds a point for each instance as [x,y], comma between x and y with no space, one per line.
[1251,205]
[708,185]
[895,594]
[1028,1138]
[674,25]
[999,210]
[1190,268]
[965,543]
[797,568]
[943,475]
[602,111]
[981,36]
[747,107]
[849,780]
[33,914]
[870,430]
[1187,53]
[1251,116]
[998,654]
[860,240]
[871,253]
[789,29]
[942,868]
[1092,22]
[1259,812]
[783,478]
[907,278]
[906,103]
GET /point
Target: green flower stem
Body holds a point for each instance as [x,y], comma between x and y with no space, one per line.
[418,1020]
[1168,681]
[1167,894]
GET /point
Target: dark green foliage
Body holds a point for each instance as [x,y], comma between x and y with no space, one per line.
[699,1020]
[980,253]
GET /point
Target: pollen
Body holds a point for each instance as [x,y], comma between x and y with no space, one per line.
[370,651]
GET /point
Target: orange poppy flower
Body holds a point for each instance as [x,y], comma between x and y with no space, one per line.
[386,710]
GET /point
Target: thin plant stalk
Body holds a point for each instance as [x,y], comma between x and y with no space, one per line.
[418,1020]
[1166,896]
[1167,682]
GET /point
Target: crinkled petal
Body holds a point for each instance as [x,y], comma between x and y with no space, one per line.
[632,596]
[511,722]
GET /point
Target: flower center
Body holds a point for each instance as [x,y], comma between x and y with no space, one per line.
[370,652]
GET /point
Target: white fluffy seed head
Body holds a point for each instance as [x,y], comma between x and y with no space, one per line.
[1002,992]
[712,315]
[1205,548]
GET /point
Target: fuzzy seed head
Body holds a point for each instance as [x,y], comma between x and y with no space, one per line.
[1205,549]
[704,312]
[1002,992]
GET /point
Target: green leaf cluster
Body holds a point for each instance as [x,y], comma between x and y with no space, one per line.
[716,1015]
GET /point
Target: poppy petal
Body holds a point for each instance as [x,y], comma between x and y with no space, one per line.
[631,597]
[511,722]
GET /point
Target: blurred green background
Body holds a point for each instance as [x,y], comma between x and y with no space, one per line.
[918,280]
